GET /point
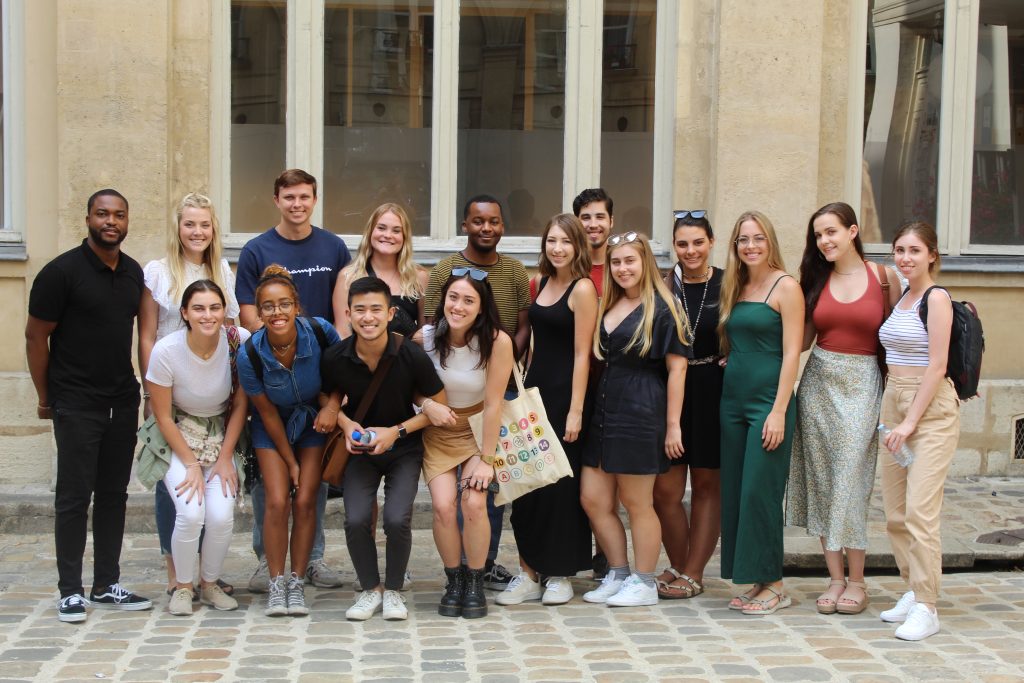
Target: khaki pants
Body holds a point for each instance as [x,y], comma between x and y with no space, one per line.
[912,496]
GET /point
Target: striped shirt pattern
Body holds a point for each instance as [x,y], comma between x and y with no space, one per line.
[904,337]
[508,280]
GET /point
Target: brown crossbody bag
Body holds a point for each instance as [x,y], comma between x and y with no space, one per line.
[336,454]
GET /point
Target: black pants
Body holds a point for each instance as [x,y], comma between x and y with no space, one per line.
[401,473]
[94,462]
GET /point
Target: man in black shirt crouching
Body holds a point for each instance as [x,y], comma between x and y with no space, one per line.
[396,450]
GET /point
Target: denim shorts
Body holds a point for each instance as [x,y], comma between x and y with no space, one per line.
[308,438]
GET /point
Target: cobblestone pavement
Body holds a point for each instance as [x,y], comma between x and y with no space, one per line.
[982,636]
[982,614]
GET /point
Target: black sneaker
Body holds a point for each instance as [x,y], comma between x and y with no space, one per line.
[117,596]
[496,577]
[71,609]
[600,566]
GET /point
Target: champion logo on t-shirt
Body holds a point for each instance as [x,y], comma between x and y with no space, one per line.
[309,271]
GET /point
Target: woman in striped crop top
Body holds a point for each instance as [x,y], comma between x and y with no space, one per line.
[921,407]
[833,468]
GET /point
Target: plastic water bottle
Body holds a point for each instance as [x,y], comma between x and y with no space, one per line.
[904,456]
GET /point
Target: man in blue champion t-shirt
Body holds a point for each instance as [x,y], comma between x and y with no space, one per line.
[314,257]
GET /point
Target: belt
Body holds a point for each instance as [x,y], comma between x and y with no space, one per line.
[706,360]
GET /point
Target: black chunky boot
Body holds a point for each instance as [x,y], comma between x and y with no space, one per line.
[474,603]
[451,601]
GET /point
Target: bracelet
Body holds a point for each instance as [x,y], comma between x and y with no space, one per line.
[426,401]
[487,460]
[193,464]
[145,395]
[44,407]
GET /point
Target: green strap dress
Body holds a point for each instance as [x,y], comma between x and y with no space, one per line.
[753,479]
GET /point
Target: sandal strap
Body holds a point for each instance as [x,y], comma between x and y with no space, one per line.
[672,570]
[838,582]
[694,584]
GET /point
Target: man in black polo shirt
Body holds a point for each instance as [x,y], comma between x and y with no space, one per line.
[81,315]
[396,451]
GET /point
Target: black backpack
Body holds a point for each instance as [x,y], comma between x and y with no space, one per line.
[254,355]
[966,345]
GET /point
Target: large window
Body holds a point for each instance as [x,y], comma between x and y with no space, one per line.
[258,49]
[427,102]
[944,125]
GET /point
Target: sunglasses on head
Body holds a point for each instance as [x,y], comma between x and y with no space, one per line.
[623,238]
[462,271]
[700,213]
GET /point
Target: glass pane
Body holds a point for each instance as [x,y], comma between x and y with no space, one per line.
[378,62]
[3,219]
[903,97]
[258,101]
[997,188]
[512,108]
[627,110]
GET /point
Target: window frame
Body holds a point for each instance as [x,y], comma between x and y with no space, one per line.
[13,18]
[582,133]
[956,139]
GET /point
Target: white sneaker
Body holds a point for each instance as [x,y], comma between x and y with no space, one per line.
[634,593]
[520,589]
[558,591]
[394,606]
[609,587]
[366,606]
[920,623]
[898,614]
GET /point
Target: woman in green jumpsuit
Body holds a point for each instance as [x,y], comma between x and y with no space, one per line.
[761,330]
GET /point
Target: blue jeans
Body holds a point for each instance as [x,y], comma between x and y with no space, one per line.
[259,505]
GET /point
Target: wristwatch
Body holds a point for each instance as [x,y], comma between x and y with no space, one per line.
[401,431]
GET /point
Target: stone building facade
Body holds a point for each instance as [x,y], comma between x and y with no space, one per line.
[903,108]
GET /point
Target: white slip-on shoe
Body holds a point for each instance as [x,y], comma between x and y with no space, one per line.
[899,612]
[366,606]
[558,591]
[609,587]
[920,623]
[394,606]
[634,593]
[520,589]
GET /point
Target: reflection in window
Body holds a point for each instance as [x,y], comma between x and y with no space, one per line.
[901,143]
[997,187]
[258,103]
[378,58]
[512,108]
[627,110]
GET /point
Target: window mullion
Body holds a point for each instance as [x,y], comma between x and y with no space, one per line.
[305,67]
[220,111]
[445,124]
[582,151]
[956,120]
[664,119]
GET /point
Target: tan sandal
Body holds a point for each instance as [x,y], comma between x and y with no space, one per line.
[765,606]
[741,600]
[691,588]
[676,575]
[827,604]
[856,606]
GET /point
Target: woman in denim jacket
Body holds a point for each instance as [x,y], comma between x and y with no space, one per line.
[289,428]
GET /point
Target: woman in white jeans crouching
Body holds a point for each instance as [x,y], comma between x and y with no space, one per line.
[201,416]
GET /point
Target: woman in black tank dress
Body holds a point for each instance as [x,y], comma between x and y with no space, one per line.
[386,252]
[551,529]
[690,543]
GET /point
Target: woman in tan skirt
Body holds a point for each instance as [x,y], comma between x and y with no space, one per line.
[473,356]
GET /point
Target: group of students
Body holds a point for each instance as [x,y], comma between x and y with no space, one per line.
[646,379]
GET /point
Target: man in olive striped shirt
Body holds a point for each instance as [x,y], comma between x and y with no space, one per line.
[483,225]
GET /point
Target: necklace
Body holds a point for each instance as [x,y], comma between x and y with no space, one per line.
[281,350]
[850,272]
[700,309]
[707,274]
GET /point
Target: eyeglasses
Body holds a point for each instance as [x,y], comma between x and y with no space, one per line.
[476,274]
[683,213]
[758,240]
[623,238]
[284,306]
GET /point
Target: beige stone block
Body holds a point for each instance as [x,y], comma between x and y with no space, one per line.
[1006,401]
[997,463]
[973,414]
[26,458]
[966,463]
